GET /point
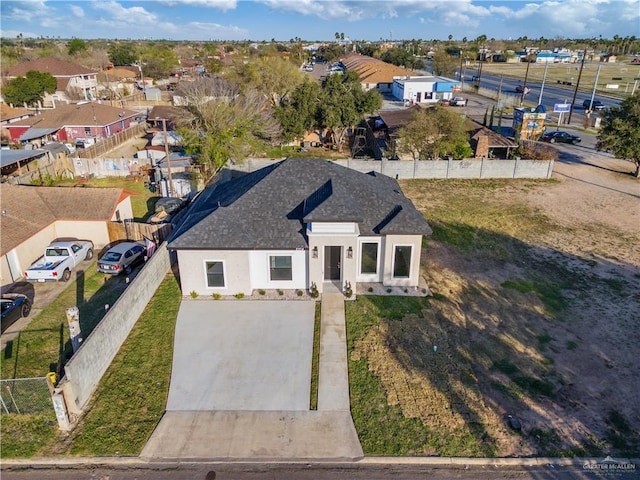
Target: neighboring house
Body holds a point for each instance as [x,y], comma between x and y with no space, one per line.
[297,223]
[69,122]
[10,115]
[114,83]
[74,82]
[374,74]
[20,162]
[425,89]
[387,130]
[32,217]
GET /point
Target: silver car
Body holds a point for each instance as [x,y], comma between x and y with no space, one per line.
[122,257]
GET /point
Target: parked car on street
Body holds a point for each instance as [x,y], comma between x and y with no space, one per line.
[458,102]
[14,307]
[595,105]
[122,257]
[445,102]
[560,136]
[522,89]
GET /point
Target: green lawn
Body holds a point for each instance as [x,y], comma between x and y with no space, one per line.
[44,345]
[130,398]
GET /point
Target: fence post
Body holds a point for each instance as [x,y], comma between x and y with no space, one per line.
[61,410]
[73,317]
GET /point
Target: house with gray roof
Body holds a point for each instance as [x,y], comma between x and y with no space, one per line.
[296,223]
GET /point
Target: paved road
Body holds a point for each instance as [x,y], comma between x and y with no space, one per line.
[373,469]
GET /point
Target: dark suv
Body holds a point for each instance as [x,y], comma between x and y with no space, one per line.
[595,105]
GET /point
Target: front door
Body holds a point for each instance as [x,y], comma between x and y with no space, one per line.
[332,262]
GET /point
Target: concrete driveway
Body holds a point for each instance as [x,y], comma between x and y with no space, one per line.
[242,355]
[240,384]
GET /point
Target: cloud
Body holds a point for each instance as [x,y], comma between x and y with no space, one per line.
[219,4]
[215,31]
[24,10]
[77,11]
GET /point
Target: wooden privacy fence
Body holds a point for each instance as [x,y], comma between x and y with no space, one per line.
[137,231]
[104,145]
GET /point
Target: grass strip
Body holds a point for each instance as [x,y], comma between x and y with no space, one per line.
[315,359]
[131,397]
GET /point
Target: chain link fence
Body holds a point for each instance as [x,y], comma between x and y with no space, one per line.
[25,395]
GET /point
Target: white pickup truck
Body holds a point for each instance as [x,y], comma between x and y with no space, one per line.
[58,261]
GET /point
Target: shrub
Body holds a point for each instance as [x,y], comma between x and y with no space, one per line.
[313,291]
[216,296]
[388,290]
[239,295]
[261,292]
[280,292]
[194,294]
[299,293]
[370,289]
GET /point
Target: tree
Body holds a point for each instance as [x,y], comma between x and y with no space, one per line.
[122,54]
[76,45]
[158,61]
[29,89]
[343,104]
[297,113]
[434,133]
[445,64]
[620,131]
[223,123]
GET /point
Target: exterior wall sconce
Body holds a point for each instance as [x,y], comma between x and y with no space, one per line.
[314,252]
[349,252]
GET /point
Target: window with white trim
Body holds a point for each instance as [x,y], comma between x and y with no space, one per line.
[402,261]
[280,267]
[369,258]
[215,274]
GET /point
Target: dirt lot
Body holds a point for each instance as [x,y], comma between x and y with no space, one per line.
[536,314]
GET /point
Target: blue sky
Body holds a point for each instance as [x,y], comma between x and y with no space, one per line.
[319,19]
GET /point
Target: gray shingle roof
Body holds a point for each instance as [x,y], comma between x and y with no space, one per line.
[268,209]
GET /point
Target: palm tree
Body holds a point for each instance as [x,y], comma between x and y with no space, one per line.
[337,35]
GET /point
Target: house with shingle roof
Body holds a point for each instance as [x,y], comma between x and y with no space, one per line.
[73,81]
[32,217]
[69,122]
[374,73]
[298,223]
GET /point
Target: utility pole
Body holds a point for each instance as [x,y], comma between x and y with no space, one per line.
[500,90]
[544,78]
[575,92]
[595,84]
[524,86]
[166,151]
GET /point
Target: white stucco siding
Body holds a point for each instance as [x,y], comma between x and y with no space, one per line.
[260,268]
[96,231]
[17,260]
[193,273]
[415,241]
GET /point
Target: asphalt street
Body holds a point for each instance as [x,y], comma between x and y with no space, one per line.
[373,469]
